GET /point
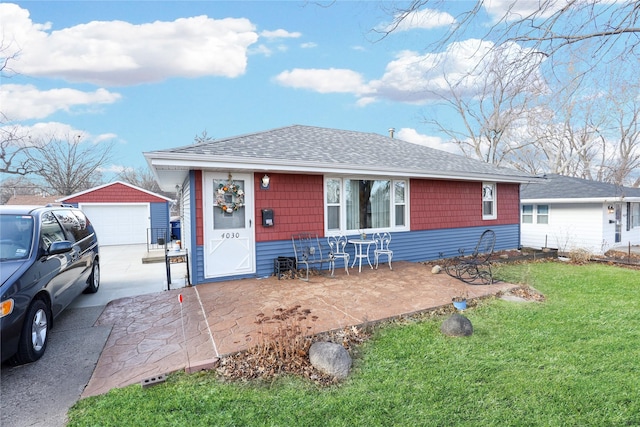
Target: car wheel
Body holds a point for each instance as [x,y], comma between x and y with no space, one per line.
[35,333]
[94,279]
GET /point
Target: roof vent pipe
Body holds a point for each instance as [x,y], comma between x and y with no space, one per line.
[391,132]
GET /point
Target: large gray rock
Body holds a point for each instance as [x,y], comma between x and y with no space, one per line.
[330,358]
[457,326]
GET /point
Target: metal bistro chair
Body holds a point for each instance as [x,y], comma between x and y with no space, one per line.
[382,247]
[336,250]
[477,268]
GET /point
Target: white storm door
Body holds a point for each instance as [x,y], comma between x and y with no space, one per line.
[228,233]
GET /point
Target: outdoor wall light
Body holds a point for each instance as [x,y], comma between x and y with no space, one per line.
[610,209]
[264,183]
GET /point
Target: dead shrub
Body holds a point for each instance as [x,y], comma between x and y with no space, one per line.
[580,256]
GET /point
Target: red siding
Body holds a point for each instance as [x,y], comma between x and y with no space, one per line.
[115,193]
[198,194]
[453,204]
[297,203]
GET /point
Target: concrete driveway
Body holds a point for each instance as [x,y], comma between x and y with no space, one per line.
[40,393]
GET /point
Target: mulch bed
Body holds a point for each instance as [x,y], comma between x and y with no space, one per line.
[620,258]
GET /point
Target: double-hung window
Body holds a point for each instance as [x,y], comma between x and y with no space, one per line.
[489,206]
[635,214]
[542,214]
[355,205]
[527,214]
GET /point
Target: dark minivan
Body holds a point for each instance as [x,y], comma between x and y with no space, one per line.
[48,256]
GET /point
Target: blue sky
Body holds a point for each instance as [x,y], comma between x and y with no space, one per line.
[150,75]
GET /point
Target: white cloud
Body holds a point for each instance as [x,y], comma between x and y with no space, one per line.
[280,34]
[24,102]
[419,78]
[412,77]
[420,19]
[510,10]
[332,80]
[260,50]
[120,53]
[412,135]
[308,45]
[44,131]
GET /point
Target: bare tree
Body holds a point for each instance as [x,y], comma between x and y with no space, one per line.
[548,27]
[141,177]
[492,102]
[574,45]
[15,148]
[18,185]
[589,134]
[15,143]
[623,165]
[70,165]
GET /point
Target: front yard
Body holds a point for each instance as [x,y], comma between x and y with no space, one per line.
[572,359]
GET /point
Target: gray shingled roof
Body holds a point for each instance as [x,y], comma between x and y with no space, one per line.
[564,187]
[294,147]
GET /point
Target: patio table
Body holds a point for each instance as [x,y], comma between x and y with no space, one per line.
[361,253]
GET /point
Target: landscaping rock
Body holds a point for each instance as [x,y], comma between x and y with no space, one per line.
[436,269]
[457,326]
[330,358]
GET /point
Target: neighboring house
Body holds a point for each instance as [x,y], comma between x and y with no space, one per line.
[33,200]
[124,214]
[329,181]
[568,213]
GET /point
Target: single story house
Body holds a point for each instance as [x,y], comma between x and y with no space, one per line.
[123,214]
[243,197]
[568,213]
[32,199]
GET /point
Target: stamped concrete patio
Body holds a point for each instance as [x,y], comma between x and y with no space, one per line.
[155,334]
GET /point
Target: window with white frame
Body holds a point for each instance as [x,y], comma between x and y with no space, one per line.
[355,205]
[527,214]
[400,203]
[635,215]
[535,213]
[489,200]
[333,203]
[542,214]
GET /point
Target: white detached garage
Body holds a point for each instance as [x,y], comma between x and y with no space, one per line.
[123,214]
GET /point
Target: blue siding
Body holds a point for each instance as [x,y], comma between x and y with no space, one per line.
[197,260]
[413,246]
[159,215]
[427,245]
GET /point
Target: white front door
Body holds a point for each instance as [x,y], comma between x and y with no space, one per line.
[228,224]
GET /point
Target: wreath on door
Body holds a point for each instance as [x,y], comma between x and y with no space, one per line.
[236,196]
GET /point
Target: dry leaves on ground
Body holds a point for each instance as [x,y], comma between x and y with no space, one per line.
[284,349]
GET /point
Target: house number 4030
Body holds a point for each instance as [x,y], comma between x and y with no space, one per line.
[230,235]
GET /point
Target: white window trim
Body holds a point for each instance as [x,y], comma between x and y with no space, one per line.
[534,214]
[538,214]
[635,214]
[343,206]
[494,214]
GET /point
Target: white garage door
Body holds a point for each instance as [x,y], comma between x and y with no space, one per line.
[119,224]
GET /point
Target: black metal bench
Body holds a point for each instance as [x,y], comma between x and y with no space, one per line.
[308,251]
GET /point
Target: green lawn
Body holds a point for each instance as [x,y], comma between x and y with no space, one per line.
[573,360]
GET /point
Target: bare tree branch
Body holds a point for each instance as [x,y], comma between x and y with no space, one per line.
[142,178]
[70,165]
